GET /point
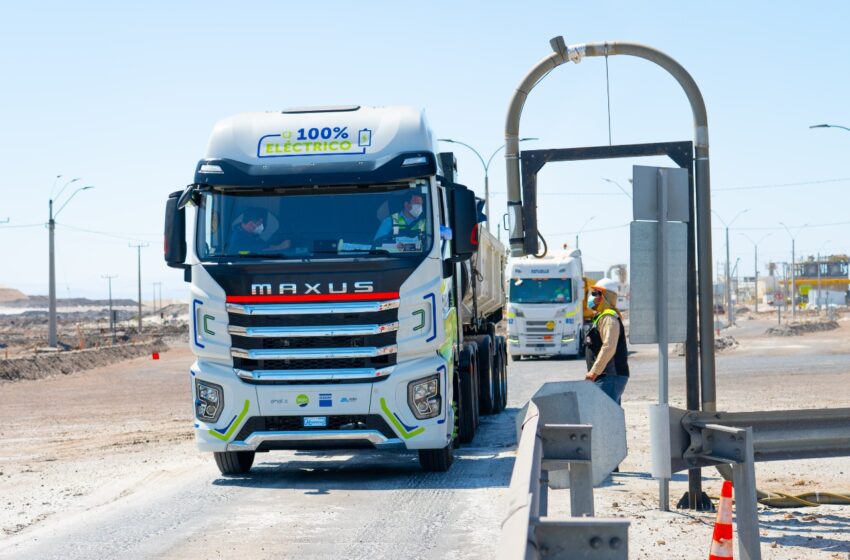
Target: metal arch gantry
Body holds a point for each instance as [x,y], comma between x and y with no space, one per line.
[701,388]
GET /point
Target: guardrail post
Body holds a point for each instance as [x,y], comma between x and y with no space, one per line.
[746,512]
[568,446]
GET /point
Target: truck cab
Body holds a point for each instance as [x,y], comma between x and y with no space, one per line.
[324,266]
[546,298]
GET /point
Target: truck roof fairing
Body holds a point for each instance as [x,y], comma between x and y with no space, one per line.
[351,144]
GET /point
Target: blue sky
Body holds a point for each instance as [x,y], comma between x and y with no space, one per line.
[125,96]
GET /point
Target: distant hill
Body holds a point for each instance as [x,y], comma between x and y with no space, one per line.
[11,297]
[11,294]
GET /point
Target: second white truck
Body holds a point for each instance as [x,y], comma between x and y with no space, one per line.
[546,306]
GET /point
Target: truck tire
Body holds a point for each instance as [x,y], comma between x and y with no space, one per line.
[466,396]
[503,401]
[487,374]
[234,462]
[476,384]
[498,374]
[436,460]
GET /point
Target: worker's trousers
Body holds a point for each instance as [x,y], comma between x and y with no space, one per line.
[612,385]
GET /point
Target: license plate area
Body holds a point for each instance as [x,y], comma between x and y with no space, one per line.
[315,422]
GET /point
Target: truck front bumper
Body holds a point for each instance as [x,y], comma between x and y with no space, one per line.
[262,417]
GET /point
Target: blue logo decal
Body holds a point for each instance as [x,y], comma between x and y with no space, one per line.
[325,399]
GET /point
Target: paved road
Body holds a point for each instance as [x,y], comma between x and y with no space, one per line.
[313,504]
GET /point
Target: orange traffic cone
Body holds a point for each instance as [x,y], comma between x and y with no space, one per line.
[721,542]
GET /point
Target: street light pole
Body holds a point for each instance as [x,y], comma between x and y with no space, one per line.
[793,270]
[625,192]
[756,265]
[138,247]
[52,339]
[486,169]
[830,126]
[581,229]
[730,315]
[818,265]
[111,320]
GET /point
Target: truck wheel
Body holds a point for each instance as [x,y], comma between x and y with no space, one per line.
[466,395]
[436,460]
[498,373]
[476,385]
[503,401]
[487,374]
[234,462]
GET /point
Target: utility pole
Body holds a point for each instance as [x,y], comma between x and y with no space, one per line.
[111,319]
[138,247]
[157,306]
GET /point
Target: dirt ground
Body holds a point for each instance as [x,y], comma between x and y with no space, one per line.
[76,443]
[761,372]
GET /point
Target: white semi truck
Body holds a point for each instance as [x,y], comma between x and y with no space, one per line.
[546,306]
[343,294]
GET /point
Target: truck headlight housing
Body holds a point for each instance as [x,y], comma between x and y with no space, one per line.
[423,397]
[209,401]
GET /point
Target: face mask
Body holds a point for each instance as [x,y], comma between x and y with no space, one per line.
[259,229]
[591,303]
[416,210]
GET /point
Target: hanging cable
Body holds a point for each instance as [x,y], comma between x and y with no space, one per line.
[608,95]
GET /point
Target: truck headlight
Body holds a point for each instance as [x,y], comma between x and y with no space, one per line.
[423,397]
[209,400]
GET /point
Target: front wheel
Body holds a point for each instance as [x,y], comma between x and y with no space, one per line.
[436,460]
[234,462]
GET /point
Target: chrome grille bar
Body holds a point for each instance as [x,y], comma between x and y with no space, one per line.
[312,353]
[313,375]
[312,308]
[300,332]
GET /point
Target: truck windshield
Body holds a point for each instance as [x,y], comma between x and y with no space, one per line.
[315,223]
[541,290]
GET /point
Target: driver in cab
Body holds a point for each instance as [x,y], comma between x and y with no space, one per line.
[405,228]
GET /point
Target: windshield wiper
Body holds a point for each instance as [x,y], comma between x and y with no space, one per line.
[261,256]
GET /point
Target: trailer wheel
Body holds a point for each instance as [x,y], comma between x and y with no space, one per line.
[503,374]
[487,374]
[234,462]
[436,460]
[466,395]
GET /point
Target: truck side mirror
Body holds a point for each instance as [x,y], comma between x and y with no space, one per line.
[464,218]
[175,232]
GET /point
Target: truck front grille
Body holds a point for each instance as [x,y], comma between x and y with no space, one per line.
[356,336]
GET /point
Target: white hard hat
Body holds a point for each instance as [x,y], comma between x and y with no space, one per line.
[608,285]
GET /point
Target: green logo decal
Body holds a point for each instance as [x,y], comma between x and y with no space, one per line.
[302,400]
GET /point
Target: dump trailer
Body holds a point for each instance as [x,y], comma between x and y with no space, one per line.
[546,309]
[342,292]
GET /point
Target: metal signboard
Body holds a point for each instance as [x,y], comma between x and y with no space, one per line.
[645,202]
[643,307]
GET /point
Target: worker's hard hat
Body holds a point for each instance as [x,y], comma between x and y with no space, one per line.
[607,285]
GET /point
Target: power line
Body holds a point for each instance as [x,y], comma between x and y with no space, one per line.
[116,235]
[782,185]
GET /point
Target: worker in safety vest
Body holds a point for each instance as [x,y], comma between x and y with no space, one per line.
[405,224]
[605,344]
